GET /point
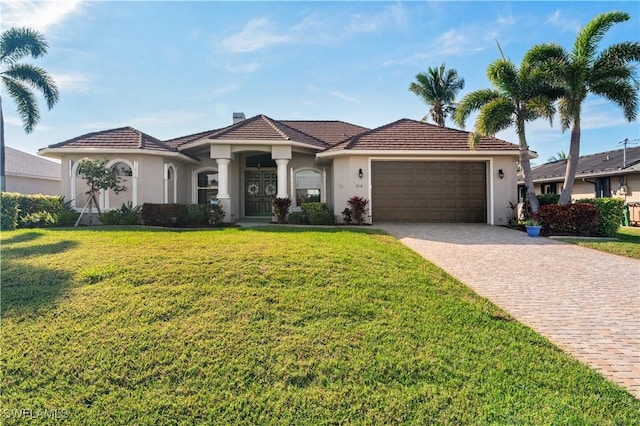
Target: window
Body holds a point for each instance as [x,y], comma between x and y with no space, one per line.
[550,188]
[603,187]
[308,185]
[207,186]
[122,170]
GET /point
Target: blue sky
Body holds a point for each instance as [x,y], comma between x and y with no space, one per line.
[175,68]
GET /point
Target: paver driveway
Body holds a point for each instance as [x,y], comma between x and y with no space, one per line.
[583,300]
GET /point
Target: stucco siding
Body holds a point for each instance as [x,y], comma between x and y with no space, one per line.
[29,185]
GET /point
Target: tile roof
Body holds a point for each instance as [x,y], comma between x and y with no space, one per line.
[262,127]
[329,131]
[406,134]
[601,163]
[120,138]
[22,164]
[176,142]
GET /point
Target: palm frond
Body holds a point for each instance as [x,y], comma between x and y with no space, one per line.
[503,74]
[472,102]
[590,36]
[35,77]
[495,116]
[25,103]
[623,93]
[16,43]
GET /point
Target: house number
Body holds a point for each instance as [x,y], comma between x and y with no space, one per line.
[358,185]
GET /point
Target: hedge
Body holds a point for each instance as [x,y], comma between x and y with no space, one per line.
[29,211]
[611,212]
[569,219]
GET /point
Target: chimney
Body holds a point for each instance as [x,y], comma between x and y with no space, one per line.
[238,117]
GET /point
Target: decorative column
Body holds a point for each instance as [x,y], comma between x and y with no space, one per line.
[282,178]
[223,188]
[223,178]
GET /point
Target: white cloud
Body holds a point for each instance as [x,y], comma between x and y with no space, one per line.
[392,16]
[565,24]
[244,68]
[72,82]
[344,97]
[38,15]
[256,35]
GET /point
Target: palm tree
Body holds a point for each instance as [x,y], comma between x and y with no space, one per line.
[19,79]
[609,73]
[438,87]
[518,96]
[559,156]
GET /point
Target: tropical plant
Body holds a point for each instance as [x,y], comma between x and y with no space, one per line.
[559,156]
[358,207]
[519,95]
[19,79]
[438,87]
[608,72]
[281,208]
[98,177]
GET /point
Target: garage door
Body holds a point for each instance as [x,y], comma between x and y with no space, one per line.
[429,191]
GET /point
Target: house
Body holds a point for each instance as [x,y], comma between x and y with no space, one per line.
[30,174]
[409,170]
[604,174]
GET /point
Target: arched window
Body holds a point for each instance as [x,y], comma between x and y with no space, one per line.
[308,186]
[207,186]
[125,177]
[170,184]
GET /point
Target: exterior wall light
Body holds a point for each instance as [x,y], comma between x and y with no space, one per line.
[500,174]
[360,173]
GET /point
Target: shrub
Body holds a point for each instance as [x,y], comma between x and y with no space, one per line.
[9,210]
[569,219]
[346,216]
[545,199]
[216,214]
[126,215]
[318,214]
[297,218]
[358,208]
[197,214]
[611,212]
[281,208]
[28,211]
[164,214]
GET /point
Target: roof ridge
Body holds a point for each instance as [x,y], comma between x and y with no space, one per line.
[269,121]
[98,132]
[143,142]
[301,131]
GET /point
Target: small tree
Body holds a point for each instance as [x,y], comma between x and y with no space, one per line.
[99,177]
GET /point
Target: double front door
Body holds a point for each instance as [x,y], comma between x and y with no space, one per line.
[260,189]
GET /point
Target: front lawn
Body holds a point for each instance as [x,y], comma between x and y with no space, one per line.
[628,243]
[270,326]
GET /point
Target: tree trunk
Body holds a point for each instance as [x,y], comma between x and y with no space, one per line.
[3,177]
[525,164]
[572,163]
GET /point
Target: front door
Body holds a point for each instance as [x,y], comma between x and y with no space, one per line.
[260,189]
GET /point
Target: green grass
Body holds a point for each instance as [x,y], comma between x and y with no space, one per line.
[627,244]
[270,326]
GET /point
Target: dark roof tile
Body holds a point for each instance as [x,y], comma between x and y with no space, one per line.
[120,138]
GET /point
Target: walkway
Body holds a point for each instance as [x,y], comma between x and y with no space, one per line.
[583,300]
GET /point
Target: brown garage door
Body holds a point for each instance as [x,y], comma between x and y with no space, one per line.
[429,191]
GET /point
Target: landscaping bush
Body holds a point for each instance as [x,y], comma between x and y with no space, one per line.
[9,210]
[29,211]
[197,214]
[611,211]
[318,214]
[570,219]
[358,208]
[216,214]
[164,214]
[346,216]
[126,215]
[545,199]
[281,208]
[297,218]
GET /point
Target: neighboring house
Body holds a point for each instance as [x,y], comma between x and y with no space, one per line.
[29,174]
[605,174]
[409,170]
